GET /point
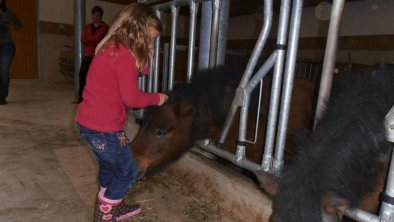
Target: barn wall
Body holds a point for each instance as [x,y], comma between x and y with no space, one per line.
[361,19]
[363,22]
[56,32]
[24,64]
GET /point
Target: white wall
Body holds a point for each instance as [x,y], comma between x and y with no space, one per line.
[372,17]
[369,17]
[52,45]
[61,11]
[360,18]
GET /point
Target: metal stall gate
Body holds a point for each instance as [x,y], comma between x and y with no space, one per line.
[283,62]
[285,51]
[213,51]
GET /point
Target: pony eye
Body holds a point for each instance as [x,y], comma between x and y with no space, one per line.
[163,132]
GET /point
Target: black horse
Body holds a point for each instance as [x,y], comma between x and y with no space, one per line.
[343,162]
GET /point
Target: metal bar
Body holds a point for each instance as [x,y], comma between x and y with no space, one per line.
[205,30]
[156,60]
[244,163]
[244,95]
[389,125]
[192,40]
[214,33]
[387,209]
[223,30]
[251,65]
[166,56]
[174,15]
[79,22]
[361,216]
[149,77]
[142,82]
[264,69]
[329,57]
[287,86]
[176,3]
[256,128]
[268,13]
[266,163]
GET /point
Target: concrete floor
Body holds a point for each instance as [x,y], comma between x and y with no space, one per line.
[33,185]
[48,174]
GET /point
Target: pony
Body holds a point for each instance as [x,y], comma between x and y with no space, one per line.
[198,110]
[343,162]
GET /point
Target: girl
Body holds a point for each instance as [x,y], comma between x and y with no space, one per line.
[111,87]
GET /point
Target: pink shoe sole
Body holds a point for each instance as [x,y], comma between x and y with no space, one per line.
[128,215]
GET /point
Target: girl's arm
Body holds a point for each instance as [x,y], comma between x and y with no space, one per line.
[127,74]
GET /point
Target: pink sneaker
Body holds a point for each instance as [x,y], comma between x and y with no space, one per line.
[109,212]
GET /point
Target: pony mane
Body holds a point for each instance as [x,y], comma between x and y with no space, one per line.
[211,93]
[342,154]
[213,89]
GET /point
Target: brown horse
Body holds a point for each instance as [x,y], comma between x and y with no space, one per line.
[198,110]
[343,163]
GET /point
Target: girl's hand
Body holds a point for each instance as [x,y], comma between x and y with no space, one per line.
[163,98]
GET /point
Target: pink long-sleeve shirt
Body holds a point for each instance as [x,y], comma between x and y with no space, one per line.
[111,87]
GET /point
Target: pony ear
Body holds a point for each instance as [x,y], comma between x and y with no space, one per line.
[334,204]
[268,182]
[183,109]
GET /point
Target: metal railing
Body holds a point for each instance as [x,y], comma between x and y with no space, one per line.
[282,61]
[285,51]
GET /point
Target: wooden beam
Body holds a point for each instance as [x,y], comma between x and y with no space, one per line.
[122,2]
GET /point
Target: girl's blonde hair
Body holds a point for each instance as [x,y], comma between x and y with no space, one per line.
[131,28]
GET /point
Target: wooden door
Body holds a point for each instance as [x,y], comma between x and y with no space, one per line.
[25,63]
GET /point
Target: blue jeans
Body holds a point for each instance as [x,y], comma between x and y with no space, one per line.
[117,167]
[7,53]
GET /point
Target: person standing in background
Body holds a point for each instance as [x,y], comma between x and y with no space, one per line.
[8,20]
[92,34]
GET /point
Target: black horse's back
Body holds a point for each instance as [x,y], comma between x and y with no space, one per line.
[343,154]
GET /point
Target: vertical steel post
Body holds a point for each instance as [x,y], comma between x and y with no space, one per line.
[214,33]
[205,32]
[223,27]
[166,56]
[387,208]
[192,39]
[149,77]
[329,57]
[156,60]
[266,163]
[250,66]
[174,15]
[287,85]
[79,22]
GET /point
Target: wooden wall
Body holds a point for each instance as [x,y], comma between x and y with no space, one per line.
[25,63]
